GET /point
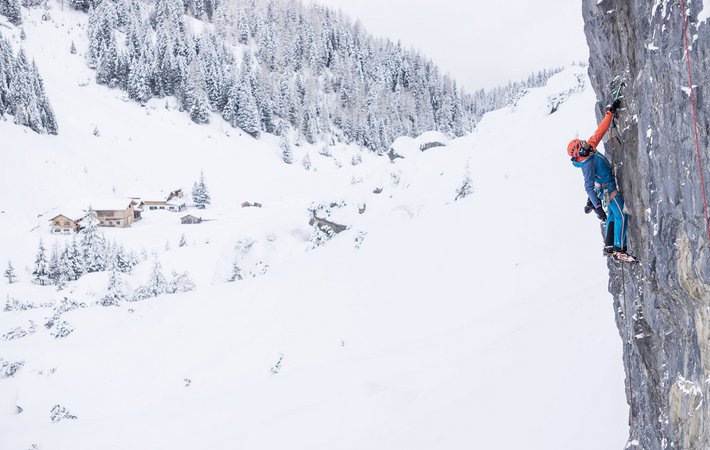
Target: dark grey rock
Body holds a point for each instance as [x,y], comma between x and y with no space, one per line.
[662,305]
[427,145]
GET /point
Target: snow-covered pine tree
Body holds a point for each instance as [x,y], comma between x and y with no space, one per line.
[72,49]
[286,153]
[194,95]
[247,117]
[93,245]
[466,187]
[107,70]
[65,270]
[46,113]
[116,290]
[10,273]
[122,260]
[138,81]
[76,260]
[157,284]
[243,28]
[23,100]
[53,269]
[103,19]
[200,194]
[183,241]
[41,270]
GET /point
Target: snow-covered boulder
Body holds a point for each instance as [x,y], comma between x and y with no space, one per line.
[431,139]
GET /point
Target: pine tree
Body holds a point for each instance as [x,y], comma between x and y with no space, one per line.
[157,284]
[103,19]
[93,246]
[286,153]
[72,49]
[41,271]
[76,260]
[53,269]
[107,69]
[138,83]
[116,291]
[65,273]
[46,113]
[243,27]
[247,117]
[200,194]
[10,273]
[194,95]
[122,260]
[466,187]
[183,241]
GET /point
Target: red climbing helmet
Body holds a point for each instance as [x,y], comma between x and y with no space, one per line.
[573,148]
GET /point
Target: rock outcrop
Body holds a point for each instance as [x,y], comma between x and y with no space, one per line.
[662,305]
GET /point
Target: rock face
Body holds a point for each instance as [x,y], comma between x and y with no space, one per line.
[662,305]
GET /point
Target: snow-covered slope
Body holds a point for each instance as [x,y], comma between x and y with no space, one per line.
[429,323]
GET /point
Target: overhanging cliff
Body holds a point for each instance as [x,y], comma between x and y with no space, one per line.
[662,305]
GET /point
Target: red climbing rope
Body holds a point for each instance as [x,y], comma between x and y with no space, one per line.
[695,118]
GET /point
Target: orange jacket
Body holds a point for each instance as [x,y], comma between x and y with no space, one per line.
[603,127]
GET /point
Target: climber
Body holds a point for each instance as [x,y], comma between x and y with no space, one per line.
[604,197]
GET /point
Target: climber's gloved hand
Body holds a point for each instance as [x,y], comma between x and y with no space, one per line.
[589,207]
[600,213]
[614,106]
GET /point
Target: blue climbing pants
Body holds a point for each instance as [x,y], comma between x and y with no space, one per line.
[617,219]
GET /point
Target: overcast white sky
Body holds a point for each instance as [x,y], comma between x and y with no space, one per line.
[482,43]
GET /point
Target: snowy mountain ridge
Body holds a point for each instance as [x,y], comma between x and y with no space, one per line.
[428,323]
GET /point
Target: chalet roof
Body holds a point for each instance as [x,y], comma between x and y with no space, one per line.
[111,204]
[189,215]
[164,202]
[73,218]
[74,213]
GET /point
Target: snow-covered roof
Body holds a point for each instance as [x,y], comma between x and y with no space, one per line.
[110,204]
[72,213]
[432,136]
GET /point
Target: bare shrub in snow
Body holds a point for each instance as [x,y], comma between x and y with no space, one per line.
[360,238]
[62,329]
[276,368]
[59,413]
[244,245]
[236,274]
[19,332]
[9,368]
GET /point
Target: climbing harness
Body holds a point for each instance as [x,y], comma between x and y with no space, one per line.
[695,118]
